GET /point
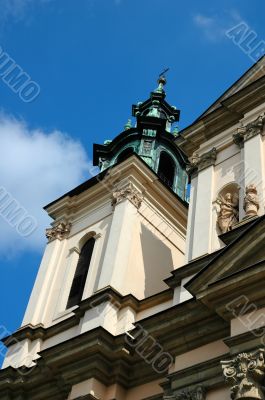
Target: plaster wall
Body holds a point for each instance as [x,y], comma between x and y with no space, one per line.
[199,355]
[253,319]
[233,165]
[97,389]
[222,393]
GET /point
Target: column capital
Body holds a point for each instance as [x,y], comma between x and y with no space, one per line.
[198,163]
[59,230]
[246,132]
[245,374]
[128,192]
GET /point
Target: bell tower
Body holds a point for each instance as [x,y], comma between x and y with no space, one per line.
[152,139]
[113,241]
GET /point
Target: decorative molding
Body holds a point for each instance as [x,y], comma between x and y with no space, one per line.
[250,130]
[245,373]
[74,250]
[128,192]
[238,137]
[59,231]
[197,393]
[198,163]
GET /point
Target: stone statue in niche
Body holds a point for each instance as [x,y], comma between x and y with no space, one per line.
[251,201]
[245,373]
[228,214]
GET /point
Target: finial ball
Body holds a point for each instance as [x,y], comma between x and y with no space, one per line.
[162,79]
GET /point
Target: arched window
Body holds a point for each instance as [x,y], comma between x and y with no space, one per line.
[125,153]
[166,168]
[81,272]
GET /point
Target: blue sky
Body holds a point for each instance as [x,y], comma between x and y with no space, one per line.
[92,59]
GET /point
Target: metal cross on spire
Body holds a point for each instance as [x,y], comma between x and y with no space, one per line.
[162,81]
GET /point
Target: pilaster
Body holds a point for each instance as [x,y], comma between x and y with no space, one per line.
[35,313]
[126,201]
[250,138]
[199,238]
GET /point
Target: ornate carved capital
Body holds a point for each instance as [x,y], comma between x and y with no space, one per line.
[250,130]
[199,163]
[59,231]
[238,137]
[127,192]
[245,373]
[197,393]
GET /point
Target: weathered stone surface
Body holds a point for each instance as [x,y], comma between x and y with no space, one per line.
[127,192]
[59,231]
[245,373]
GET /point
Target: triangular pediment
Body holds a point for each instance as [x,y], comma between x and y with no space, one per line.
[244,252]
[254,73]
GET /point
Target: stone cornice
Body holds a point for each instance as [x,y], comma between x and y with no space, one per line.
[230,265]
[230,112]
[254,128]
[187,270]
[246,341]
[99,354]
[97,191]
[246,282]
[188,379]
[198,163]
[108,294]
[183,318]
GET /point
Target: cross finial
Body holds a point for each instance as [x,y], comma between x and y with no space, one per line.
[162,81]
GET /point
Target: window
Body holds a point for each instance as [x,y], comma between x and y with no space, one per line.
[166,168]
[125,153]
[81,272]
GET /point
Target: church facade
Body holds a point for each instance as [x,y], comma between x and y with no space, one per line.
[151,284]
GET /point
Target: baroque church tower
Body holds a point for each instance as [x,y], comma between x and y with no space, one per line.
[151,283]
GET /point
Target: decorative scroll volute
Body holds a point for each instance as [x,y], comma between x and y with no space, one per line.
[198,163]
[59,231]
[127,192]
[245,373]
[250,130]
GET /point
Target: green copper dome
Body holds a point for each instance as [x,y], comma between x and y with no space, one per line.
[153,139]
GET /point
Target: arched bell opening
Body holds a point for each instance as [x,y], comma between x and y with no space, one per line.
[166,169]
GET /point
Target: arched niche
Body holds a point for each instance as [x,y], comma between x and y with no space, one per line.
[228,207]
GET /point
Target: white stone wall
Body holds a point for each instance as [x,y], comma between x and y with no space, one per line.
[135,250]
[233,164]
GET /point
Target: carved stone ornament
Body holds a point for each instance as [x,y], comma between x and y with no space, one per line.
[251,201]
[198,393]
[127,192]
[250,130]
[59,231]
[228,214]
[245,373]
[201,162]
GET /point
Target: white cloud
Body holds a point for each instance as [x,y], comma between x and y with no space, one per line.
[17,9]
[35,168]
[214,27]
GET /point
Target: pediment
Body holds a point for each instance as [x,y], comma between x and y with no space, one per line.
[240,255]
[255,72]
